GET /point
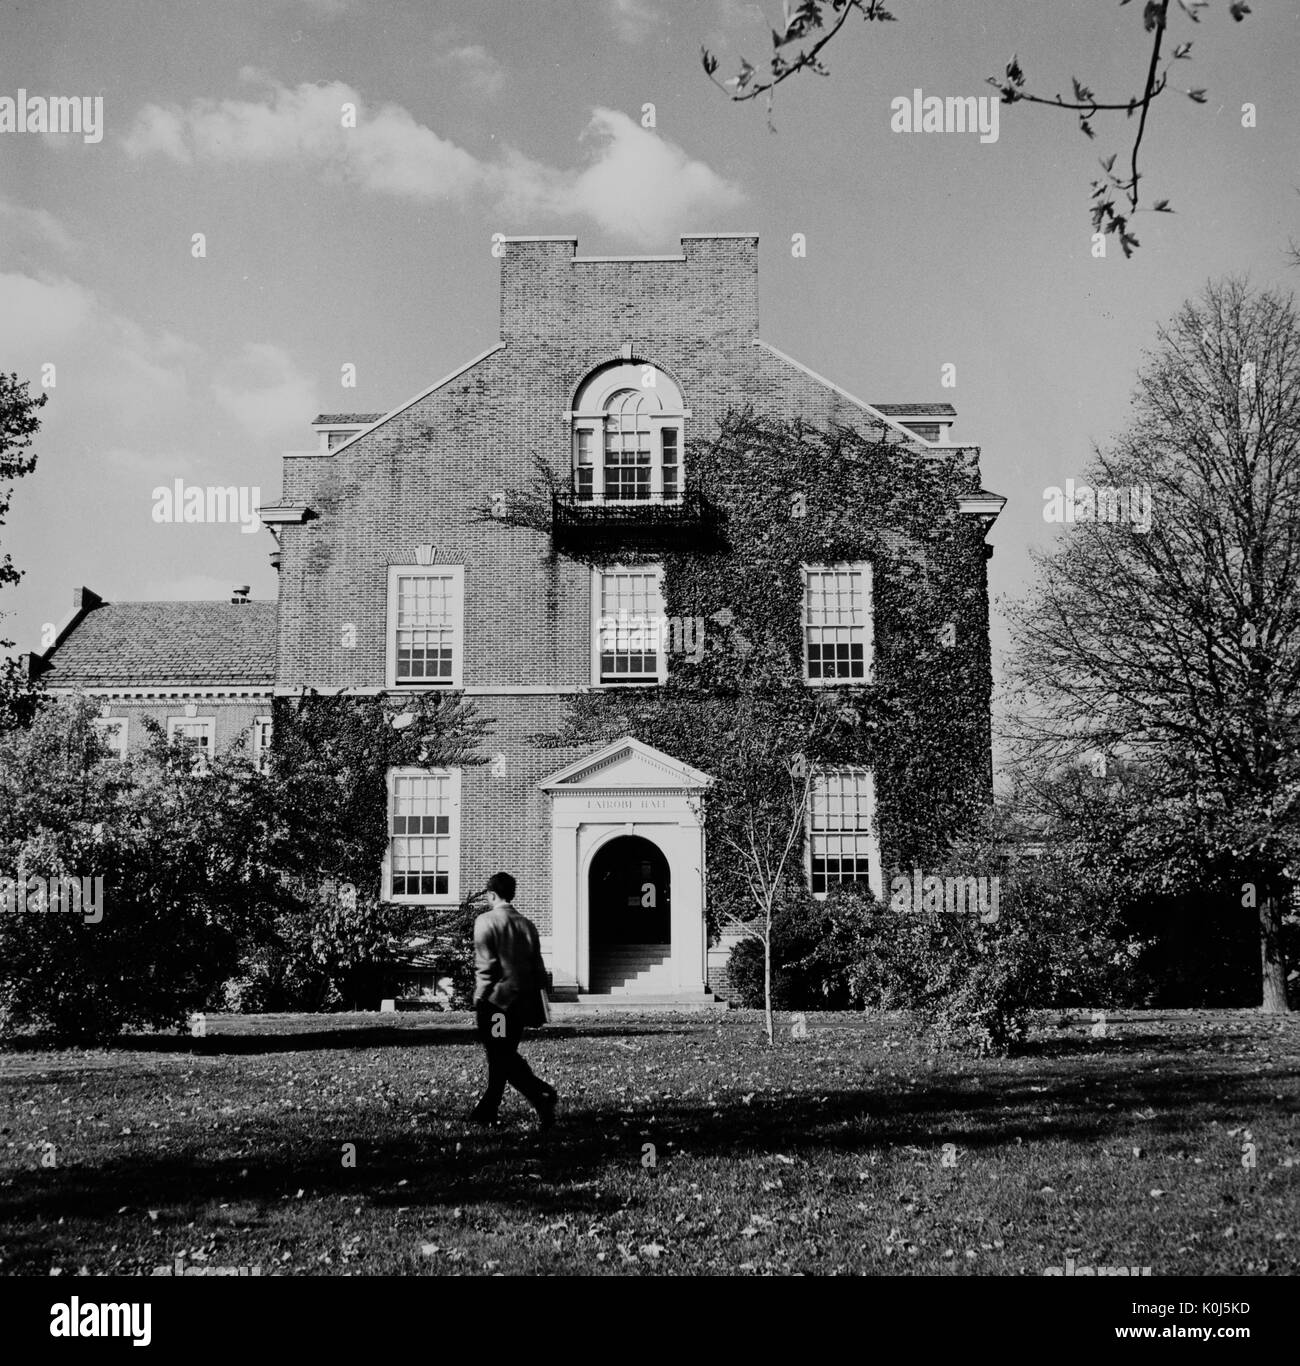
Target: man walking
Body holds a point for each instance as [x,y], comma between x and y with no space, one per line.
[510,979]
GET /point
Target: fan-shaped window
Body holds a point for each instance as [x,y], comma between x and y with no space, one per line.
[628,434]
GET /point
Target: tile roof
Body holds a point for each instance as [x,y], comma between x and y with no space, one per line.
[915,409]
[345,419]
[137,643]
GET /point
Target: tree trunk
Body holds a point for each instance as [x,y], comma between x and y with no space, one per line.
[767,977]
[1272,964]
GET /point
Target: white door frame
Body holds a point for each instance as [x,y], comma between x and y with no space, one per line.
[627,788]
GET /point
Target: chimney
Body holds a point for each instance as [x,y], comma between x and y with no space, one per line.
[239,594]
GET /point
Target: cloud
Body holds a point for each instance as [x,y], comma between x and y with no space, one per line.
[265,392]
[476,69]
[106,365]
[635,184]
[41,314]
[632,19]
[158,130]
[387,151]
[38,227]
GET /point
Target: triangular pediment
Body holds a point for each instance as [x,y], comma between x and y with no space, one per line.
[626,763]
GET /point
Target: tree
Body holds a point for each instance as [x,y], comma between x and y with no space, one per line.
[762,819]
[814,24]
[18,424]
[182,864]
[1178,647]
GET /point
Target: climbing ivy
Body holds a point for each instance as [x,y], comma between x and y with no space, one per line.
[787,494]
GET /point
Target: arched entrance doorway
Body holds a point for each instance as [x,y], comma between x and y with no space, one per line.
[630,907]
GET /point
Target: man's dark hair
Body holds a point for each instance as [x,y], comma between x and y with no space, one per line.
[503,885]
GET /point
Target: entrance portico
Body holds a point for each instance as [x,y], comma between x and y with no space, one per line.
[636,796]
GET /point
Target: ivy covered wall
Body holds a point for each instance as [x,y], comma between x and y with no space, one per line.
[785,494]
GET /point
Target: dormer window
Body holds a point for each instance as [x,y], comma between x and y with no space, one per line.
[336,429]
[628,434]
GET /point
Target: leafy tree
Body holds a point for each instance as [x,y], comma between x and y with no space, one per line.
[1179,648]
[329,774]
[185,862]
[18,424]
[809,26]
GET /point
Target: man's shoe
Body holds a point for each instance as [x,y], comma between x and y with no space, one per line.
[483,1117]
[546,1108]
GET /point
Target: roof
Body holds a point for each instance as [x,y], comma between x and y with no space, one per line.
[916,409]
[345,419]
[198,643]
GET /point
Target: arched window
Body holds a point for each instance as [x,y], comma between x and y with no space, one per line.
[628,435]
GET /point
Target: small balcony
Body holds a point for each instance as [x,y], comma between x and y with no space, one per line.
[591,517]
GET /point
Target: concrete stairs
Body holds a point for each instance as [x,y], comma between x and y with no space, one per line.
[633,977]
[631,969]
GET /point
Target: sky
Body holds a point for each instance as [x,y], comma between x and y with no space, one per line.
[371,246]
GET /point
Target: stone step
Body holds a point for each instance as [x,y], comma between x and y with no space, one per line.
[666,1001]
[658,988]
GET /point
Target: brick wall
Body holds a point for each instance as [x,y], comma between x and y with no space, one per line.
[232,717]
[427,476]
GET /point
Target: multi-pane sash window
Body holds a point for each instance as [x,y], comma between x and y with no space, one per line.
[112,733]
[262,744]
[425,625]
[196,735]
[841,828]
[629,612]
[672,466]
[584,469]
[424,835]
[837,623]
[628,429]
[627,448]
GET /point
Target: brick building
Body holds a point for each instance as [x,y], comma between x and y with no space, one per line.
[402,568]
[204,671]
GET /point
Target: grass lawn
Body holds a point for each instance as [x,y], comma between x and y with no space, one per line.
[855,1149]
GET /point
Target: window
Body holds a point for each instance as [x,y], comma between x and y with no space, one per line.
[425,626]
[112,733]
[628,434]
[670,456]
[628,616]
[584,472]
[627,448]
[262,744]
[423,860]
[837,623]
[196,735]
[842,843]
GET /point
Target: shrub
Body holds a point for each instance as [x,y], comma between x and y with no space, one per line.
[817,950]
[185,877]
